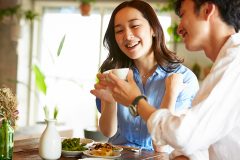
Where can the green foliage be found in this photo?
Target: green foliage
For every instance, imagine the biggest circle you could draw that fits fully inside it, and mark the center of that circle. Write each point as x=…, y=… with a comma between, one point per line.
x=9, y=11
x=30, y=15
x=61, y=45
x=73, y=144
x=41, y=84
x=172, y=31
x=196, y=70
x=46, y=112
x=16, y=10
x=55, y=113
x=40, y=79
x=87, y=1
x=168, y=7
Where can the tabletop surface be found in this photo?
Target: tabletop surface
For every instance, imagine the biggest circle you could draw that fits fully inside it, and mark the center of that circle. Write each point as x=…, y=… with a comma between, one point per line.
x=27, y=149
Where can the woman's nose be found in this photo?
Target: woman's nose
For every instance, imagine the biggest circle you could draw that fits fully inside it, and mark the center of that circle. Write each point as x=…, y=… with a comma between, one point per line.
x=129, y=35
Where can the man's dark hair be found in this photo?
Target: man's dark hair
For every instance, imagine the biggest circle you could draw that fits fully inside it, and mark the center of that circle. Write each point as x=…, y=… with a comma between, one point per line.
x=229, y=10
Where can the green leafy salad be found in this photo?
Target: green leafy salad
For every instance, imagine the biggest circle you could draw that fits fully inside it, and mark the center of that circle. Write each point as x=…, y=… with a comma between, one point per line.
x=73, y=144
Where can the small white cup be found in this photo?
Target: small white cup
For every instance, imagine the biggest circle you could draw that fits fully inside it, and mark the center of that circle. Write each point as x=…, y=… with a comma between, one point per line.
x=119, y=72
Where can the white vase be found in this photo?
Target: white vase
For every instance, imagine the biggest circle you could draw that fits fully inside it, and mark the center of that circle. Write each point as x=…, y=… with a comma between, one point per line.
x=50, y=145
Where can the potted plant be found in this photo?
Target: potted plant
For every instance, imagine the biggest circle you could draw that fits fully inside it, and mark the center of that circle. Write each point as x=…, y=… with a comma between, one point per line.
x=41, y=84
x=8, y=116
x=85, y=7
x=172, y=30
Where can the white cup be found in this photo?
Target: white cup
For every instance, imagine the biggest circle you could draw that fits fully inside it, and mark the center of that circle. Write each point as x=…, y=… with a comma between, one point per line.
x=119, y=72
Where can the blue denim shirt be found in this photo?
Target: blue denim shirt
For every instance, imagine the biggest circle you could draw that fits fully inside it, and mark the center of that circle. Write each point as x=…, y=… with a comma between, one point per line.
x=132, y=131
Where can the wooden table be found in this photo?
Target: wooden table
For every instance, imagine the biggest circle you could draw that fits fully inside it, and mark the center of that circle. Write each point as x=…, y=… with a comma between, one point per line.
x=27, y=149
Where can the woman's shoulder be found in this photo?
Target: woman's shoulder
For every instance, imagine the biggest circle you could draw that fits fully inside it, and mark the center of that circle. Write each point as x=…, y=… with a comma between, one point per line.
x=183, y=70
x=187, y=73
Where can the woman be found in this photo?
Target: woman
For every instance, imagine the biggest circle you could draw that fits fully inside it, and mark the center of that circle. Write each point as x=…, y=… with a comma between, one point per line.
x=135, y=39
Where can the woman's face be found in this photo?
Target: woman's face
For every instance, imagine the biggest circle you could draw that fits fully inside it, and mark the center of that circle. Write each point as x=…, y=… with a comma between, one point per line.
x=133, y=33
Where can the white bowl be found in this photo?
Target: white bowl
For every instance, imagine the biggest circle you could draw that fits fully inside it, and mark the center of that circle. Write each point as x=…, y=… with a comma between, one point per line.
x=119, y=72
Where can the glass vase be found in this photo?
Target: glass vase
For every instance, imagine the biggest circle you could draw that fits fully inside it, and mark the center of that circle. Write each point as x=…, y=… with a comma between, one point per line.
x=6, y=140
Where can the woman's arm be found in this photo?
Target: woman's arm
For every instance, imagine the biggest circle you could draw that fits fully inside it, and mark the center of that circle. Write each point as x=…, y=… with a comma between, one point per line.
x=108, y=118
x=174, y=85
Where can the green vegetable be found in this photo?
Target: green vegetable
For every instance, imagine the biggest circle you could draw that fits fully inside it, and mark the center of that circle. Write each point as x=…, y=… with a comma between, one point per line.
x=73, y=144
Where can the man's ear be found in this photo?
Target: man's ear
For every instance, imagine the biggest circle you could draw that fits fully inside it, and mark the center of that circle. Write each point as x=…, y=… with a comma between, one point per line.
x=208, y=10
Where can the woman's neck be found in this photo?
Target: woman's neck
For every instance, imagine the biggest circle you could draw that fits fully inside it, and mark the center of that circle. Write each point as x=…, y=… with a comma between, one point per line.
x=146, y=67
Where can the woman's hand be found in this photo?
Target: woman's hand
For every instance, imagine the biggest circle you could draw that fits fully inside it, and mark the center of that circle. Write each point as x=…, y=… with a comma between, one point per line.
x=101, y=90
x=124, y=92
x=174, y=84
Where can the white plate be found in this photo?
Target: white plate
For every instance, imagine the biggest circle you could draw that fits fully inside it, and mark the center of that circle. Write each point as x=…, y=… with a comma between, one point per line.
x=115, y=155
x=88, y=143
x=117, y=149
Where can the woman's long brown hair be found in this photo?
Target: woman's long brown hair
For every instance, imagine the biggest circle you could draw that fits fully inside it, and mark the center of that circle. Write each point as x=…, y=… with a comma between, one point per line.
x=165, y=58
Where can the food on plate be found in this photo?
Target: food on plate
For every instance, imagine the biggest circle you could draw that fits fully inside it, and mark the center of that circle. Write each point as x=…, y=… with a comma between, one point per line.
x=102, y=149
x=73, y=144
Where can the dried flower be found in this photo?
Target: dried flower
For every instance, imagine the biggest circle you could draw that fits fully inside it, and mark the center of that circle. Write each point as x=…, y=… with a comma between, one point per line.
x=8, y=105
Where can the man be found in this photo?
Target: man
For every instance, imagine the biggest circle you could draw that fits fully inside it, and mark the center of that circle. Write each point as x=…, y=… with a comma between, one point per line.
x=213, y=122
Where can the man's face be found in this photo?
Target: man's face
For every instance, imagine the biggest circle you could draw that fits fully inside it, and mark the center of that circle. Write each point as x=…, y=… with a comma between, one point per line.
x=193, y=27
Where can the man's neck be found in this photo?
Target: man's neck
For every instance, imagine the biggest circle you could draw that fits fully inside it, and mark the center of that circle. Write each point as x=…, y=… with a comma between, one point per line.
x=217, y=39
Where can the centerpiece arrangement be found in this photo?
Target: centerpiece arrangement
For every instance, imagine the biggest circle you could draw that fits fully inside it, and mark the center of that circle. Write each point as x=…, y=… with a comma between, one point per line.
x=50, y=141
x=8, y=117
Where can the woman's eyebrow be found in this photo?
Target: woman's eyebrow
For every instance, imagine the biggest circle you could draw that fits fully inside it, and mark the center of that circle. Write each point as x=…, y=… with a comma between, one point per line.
x=135, y=19
x=131, y=20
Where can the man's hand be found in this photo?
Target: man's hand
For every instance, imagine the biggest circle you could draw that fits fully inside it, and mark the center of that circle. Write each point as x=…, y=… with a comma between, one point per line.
x=181, y=158
x=123, y=92
x=158, y=148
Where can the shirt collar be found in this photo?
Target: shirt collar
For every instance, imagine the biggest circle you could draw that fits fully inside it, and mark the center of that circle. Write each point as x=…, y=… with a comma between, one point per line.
x=233, y=40
x=159, y=72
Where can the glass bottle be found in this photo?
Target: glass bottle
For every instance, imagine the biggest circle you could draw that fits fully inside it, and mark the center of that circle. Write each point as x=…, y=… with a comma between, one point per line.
x=6, y=140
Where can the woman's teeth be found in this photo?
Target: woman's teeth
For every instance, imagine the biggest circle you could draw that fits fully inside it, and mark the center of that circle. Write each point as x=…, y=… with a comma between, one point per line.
x=132, y=45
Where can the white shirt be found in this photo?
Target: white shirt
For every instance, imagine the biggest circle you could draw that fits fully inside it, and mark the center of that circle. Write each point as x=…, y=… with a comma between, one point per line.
x=213, y=122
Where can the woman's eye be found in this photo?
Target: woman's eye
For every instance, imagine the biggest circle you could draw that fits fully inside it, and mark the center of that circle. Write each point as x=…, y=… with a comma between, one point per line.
x=135, y=26
x=118, y=31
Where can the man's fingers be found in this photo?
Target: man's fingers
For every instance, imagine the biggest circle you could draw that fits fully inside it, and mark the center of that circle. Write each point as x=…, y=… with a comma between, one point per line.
x=113, y=78
x=130, y=78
